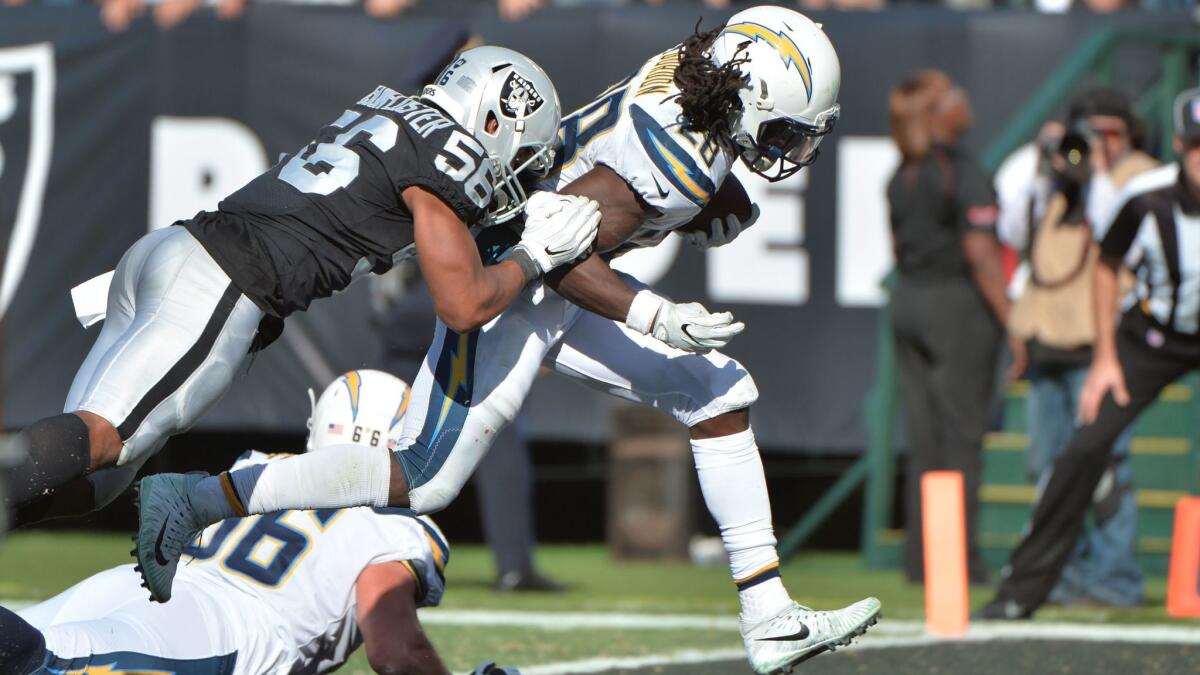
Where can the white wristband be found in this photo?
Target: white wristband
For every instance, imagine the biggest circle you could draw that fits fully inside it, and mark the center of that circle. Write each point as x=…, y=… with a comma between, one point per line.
x=643, y=311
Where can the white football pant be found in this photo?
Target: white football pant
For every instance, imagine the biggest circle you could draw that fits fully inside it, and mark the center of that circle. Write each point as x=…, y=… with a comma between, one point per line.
x=472, y=385
x=175, y=333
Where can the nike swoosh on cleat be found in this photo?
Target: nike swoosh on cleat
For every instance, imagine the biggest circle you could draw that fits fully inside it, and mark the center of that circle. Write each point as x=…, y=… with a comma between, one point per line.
x=798, y=635
x=162, y=560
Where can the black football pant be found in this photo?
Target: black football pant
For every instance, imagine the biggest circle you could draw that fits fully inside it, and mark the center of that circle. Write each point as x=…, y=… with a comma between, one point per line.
x=1151, y=359
x=947, y=343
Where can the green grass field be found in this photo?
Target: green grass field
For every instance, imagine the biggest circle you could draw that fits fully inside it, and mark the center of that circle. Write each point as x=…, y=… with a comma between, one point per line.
x=37, y=565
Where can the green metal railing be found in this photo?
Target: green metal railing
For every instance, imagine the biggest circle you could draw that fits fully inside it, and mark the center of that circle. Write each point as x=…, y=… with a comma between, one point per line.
x=1096, y=56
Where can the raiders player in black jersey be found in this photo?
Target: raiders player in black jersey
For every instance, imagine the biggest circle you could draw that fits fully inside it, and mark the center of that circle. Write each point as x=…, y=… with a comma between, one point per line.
x=187, y=303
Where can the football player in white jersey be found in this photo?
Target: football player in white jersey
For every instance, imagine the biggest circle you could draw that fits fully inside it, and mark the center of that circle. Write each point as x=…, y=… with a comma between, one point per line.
x=288, y=592
x=652, y=150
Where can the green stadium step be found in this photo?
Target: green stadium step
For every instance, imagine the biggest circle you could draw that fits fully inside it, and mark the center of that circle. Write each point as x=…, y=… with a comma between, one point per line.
x=1165, y=461
x=1171, y=415
x=1153, y=553
x=1164, y=470
x=1010, y=518
x=1152, y=470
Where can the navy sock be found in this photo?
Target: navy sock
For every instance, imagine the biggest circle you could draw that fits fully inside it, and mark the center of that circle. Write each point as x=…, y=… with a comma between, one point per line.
x=57, y=451
x=22, y=647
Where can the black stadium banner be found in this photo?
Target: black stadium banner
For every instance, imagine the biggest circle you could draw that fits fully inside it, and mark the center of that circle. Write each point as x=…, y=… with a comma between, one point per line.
x=105, y=135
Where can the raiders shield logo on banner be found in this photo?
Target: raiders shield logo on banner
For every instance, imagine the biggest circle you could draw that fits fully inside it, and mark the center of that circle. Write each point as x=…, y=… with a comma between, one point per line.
x=518, y=98
x=26, y=139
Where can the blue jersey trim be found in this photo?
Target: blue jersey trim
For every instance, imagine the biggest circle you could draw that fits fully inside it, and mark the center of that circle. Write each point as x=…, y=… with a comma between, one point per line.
x=120, y=663
x=671, y=159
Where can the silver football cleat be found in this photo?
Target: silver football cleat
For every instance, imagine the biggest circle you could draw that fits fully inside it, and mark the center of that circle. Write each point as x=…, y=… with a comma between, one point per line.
x=797, y=633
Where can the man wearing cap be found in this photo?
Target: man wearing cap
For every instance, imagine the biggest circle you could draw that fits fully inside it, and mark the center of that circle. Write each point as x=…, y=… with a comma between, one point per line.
x=1157, y=227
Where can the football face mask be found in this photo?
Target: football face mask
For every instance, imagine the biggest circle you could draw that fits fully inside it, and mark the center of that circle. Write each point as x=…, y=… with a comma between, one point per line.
x=511, y=107
x=785, y=145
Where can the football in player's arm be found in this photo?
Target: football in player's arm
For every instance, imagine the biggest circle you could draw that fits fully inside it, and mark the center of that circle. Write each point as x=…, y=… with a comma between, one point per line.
x=593, y=285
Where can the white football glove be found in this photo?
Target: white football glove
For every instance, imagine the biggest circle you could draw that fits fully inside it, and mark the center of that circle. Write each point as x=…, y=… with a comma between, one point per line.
x=722, y=231
x=558, y=229
x=688, y=326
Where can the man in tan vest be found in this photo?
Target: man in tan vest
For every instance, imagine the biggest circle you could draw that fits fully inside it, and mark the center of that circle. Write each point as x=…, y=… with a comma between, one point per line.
x=1095, y=156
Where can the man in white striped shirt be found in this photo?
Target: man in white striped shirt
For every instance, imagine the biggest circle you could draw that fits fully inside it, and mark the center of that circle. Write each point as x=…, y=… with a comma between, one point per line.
x=1157, y=229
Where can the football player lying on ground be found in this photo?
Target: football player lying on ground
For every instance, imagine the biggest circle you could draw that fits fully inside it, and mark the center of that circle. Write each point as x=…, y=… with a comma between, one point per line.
x=295, y=591
x=653, y=150
x=187, y=303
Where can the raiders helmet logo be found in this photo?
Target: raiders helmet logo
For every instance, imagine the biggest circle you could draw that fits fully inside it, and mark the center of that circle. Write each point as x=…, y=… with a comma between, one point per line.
x=518, y=97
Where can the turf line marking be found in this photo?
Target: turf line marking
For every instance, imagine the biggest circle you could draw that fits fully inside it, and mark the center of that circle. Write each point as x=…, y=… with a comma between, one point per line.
x=887, y=632
x=613, y=620
x=873, y=640
x=692, y=656
x=602, y=664
x=576, y=620
x=908, y=629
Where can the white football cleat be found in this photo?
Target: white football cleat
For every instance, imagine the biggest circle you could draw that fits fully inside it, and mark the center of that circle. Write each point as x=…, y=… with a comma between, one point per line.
x=166, y=524
x=797, y=633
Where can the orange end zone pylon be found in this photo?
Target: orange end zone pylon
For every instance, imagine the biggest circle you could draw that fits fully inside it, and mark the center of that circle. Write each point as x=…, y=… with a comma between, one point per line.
x=1183, y=581
x=945, y=533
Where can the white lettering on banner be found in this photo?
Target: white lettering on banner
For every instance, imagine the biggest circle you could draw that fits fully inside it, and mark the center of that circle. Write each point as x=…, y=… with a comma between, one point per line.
x=8, y=106
x=864, y=238
x=37, y=61
x=767, y=264
x=195, y=162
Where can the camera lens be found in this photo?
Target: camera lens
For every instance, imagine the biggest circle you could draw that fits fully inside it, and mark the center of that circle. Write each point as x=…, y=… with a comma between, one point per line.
x=1074, y=148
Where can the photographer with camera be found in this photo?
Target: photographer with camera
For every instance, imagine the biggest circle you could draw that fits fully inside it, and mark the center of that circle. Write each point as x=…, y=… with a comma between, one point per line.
x=1082, y=167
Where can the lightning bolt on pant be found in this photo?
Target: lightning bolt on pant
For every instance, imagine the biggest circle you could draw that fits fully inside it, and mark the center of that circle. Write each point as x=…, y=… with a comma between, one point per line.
x=471, y=385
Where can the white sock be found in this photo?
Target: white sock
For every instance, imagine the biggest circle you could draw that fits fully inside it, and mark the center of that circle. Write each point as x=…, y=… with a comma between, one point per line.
x=735, y=490
x=335, y=477
x=763, y=600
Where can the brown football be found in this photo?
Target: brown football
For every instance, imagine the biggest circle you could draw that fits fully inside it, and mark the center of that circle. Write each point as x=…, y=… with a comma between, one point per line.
x=730, y=198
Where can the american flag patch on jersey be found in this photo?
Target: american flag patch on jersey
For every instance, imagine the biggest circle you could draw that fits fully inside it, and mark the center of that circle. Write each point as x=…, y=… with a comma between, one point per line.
x=335, y=428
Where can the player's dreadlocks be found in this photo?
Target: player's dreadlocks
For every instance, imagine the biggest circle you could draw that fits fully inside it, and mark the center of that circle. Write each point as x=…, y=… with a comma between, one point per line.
x=708, y=93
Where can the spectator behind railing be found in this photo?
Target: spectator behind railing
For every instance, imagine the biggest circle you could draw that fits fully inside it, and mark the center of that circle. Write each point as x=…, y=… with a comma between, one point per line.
x=117, y=15
x=950, y=303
